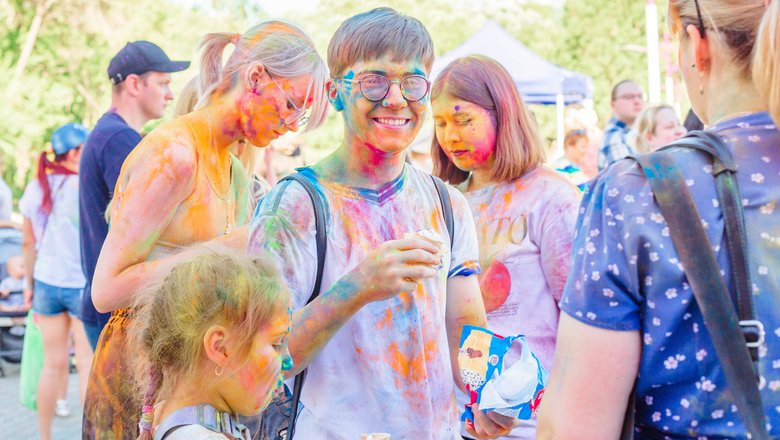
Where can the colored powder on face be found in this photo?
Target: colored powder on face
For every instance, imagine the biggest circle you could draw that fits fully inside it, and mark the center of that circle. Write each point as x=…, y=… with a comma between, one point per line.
x=457, y=108
x=287, y=363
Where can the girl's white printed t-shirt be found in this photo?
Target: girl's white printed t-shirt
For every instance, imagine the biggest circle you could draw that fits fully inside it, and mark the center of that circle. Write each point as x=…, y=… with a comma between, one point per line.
x=388, y=368
x=525, y=230
x=58, y=262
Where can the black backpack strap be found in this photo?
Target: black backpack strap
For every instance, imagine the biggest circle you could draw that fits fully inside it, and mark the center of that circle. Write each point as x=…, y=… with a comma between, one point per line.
x=322, y=246
x=724, y=169
x=712, y=295
x=446, y=205
x=319, y=224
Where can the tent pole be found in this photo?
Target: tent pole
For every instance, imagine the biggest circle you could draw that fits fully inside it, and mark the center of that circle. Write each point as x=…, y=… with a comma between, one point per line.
x=559, y=134
x=653, y=60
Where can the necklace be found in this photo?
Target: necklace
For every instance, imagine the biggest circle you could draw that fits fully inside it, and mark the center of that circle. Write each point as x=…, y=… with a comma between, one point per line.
x=224, y=197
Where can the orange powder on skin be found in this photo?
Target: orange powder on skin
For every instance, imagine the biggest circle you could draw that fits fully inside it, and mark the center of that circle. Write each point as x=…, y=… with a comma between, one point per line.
x=252, y=378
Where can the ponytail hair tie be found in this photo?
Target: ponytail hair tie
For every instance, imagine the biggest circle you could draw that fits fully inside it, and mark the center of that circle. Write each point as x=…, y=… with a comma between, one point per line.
x=234, y=38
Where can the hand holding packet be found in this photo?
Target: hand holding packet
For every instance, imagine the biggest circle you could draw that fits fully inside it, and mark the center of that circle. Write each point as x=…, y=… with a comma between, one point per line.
x=431, y=237
x=515, y=390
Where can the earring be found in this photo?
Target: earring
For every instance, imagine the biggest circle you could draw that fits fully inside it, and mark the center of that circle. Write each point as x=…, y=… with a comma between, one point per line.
x=218, y=370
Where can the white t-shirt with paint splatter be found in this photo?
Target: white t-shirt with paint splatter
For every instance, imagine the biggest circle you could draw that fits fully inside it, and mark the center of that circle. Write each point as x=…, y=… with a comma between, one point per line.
x=525, y=230
x=388, y=368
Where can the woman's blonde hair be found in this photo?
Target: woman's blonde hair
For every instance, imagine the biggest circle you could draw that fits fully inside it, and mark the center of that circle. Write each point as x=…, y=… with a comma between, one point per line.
x=218, y=287
x=282, y=48
x=750, y=28
x=484, y=82
x=188, y=97
x=645, y=124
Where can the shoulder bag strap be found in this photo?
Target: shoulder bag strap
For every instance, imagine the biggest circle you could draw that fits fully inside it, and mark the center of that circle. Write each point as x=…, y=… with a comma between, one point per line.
x=711, y=293
x=322, y=243
x=724, y=169
x=446, y=205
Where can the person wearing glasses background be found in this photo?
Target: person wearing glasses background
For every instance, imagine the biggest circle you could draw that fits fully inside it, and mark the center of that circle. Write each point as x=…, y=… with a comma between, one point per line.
x=181, y=186
x=630, y=326
x=627, y=101
x=381, y=340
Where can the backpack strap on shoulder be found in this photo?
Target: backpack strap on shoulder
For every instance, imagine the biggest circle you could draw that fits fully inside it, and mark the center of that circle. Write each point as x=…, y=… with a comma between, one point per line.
x=446, y=205
x=703, y=273
x=203, y=415
x=322, y=247
x=724, y=170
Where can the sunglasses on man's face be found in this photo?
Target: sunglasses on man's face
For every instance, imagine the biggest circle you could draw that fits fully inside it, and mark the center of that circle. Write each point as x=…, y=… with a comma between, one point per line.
x=375, y=87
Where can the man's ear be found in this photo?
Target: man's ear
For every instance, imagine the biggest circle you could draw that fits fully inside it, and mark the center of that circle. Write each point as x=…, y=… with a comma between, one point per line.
x=333, y=96
x=133, y=84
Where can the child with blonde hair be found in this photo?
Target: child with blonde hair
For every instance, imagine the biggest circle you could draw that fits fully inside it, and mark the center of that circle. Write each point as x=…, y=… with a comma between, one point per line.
x=213, y=339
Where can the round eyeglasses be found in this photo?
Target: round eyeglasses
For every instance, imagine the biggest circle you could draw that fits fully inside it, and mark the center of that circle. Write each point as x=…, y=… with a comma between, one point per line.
x=375, y=87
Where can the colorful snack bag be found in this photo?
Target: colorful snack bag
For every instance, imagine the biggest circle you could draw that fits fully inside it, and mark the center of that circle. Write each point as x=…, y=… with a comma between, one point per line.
x=514, y=390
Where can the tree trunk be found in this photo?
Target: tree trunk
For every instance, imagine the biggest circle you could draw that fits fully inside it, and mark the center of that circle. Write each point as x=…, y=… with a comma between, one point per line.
x=29, y=42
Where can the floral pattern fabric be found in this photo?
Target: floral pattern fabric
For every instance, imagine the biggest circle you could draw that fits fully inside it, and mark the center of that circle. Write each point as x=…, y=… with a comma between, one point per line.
x=626, y=275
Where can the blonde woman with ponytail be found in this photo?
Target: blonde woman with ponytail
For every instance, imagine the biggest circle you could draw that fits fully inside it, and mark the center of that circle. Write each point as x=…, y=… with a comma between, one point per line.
x=212, y=344
x=631, y=327
x=181, y=186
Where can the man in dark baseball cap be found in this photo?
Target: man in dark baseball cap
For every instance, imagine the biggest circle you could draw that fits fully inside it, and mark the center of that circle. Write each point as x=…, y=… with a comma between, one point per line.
x=139, y=57
x=141, y=75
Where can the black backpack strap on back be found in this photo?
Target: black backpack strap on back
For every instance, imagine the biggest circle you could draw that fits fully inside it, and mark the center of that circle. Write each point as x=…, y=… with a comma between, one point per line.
x=446, y=205
x=701, y=268
x=724, y=169
x=322, y=247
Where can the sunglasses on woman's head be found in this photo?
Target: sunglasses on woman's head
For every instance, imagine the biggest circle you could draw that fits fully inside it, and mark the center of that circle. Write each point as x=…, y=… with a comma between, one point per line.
x=698, y=15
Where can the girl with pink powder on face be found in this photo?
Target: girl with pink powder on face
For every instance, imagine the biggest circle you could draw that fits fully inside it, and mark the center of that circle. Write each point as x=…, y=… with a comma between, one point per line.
x=213, y=344
x=487, y=144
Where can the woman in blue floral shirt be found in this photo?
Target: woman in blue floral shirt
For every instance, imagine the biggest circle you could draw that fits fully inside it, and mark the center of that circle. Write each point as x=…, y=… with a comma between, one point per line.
x=629, y=313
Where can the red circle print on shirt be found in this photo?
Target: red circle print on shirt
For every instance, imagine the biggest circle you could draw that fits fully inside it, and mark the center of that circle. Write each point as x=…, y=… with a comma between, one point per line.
x=495, y=285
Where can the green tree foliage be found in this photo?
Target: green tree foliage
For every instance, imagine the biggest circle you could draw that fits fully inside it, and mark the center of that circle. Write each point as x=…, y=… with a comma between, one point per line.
x=62, y=77
x=604, y=39
x=54, y=53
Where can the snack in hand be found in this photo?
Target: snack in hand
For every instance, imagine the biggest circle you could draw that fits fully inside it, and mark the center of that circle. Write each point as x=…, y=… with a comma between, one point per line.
x=431, y=237
x=511, y=390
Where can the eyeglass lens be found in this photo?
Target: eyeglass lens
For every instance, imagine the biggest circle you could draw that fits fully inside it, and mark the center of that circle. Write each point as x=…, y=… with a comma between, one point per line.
x=376, y=87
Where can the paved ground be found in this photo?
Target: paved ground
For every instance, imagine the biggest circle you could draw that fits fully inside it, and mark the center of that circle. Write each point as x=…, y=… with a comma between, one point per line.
x=18, y=422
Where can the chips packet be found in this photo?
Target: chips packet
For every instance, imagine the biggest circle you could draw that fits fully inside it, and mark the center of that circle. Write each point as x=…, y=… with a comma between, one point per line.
x=512, y=390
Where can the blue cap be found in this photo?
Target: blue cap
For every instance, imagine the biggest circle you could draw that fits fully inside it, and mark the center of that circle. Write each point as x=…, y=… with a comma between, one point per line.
x=139, y=57
x=68, y=137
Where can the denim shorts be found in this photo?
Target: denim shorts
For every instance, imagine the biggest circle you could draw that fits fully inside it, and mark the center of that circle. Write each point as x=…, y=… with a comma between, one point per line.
x=52, y=300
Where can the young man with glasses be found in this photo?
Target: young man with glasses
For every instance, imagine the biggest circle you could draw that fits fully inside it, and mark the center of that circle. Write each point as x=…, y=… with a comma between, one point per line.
x=381, y=340
x=627, y=101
